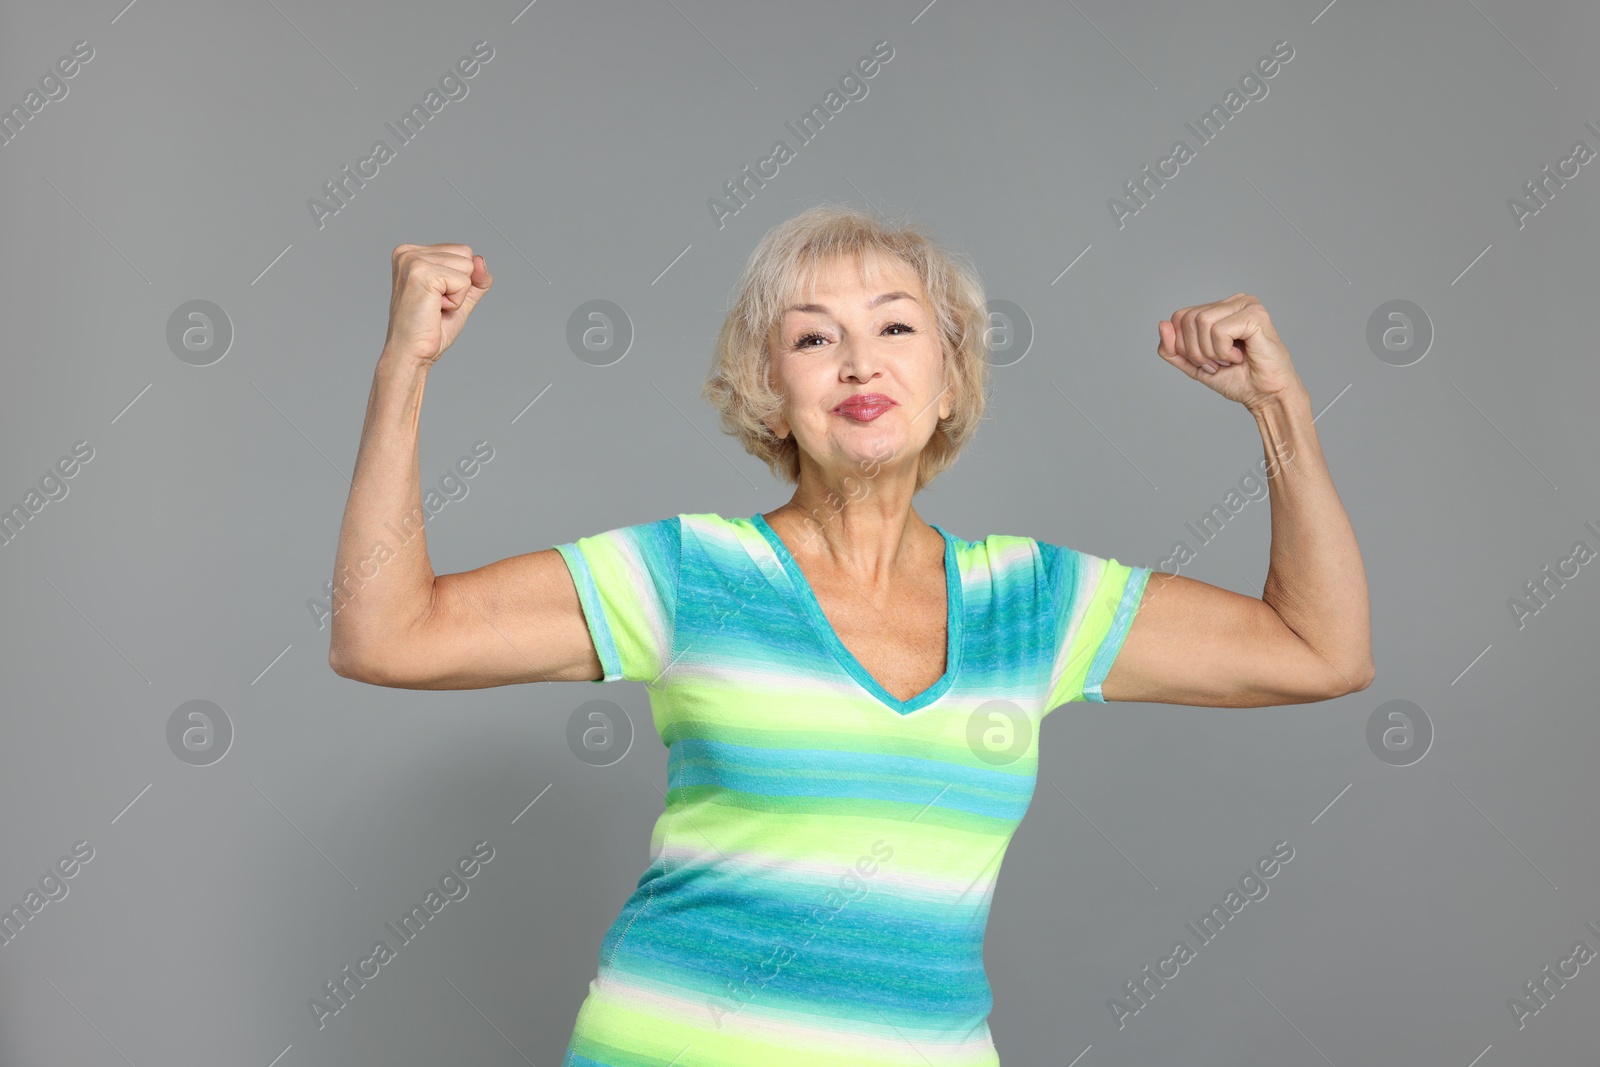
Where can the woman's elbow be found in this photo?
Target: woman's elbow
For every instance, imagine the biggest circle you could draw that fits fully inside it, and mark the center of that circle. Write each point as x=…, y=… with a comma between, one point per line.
x=1352, y=678
x=347, y=666
x=363, y=669
x=1365, y=675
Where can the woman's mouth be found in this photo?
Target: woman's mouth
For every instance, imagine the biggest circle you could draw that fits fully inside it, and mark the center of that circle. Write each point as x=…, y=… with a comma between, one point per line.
x=864, y=407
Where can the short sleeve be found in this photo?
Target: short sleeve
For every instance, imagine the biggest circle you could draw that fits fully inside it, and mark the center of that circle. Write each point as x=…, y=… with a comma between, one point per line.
x=1094, y=601
x=627, y=582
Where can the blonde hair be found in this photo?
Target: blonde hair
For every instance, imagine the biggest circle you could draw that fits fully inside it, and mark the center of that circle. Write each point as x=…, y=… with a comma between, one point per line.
x=787, y=260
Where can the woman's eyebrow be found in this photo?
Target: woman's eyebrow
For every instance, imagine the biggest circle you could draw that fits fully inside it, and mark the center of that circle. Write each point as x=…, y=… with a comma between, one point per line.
x=874, y=302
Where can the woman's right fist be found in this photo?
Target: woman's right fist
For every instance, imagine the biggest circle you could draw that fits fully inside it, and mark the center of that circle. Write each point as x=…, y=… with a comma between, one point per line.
x=435, y=289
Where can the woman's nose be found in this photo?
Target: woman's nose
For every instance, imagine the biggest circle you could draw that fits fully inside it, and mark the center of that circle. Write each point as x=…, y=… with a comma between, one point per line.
x=858, y=365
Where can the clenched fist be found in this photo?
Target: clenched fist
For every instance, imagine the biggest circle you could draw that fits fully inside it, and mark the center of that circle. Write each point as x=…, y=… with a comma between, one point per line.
x=435, y=289
x=1231, y=346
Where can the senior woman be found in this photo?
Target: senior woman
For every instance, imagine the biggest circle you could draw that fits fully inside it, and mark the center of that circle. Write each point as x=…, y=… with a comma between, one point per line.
x=850, y=697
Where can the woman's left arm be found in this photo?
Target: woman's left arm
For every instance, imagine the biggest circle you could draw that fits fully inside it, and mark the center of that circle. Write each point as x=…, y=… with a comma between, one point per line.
x=1309, y=635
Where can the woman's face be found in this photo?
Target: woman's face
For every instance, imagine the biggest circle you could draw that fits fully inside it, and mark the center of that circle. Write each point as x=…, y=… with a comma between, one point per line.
x=848, y=339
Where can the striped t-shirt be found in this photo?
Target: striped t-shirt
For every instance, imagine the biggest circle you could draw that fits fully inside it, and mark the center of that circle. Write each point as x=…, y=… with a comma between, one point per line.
x=820, y=878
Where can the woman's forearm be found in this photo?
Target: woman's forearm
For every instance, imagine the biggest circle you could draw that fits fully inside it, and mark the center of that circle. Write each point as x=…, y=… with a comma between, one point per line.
x=1315, y=580
x=383, y=579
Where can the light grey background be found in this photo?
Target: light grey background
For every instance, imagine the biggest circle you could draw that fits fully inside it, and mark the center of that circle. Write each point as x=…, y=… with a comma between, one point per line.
x=180, y=564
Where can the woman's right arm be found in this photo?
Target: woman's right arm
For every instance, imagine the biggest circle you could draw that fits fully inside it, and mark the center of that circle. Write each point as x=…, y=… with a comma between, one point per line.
x=395, y=622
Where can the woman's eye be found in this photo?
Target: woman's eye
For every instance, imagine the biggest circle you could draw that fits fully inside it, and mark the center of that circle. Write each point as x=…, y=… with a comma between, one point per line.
x=804, y=340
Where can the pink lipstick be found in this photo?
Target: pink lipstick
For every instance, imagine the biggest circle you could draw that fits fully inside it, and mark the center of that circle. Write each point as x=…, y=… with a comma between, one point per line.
x=864, y=407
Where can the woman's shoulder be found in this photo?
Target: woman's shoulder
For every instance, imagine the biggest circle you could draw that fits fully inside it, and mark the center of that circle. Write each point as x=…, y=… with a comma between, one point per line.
x=720, y=537
x=1003, y=555
x=712, y=524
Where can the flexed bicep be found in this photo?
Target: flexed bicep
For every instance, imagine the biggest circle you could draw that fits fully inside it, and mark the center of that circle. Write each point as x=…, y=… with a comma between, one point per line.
x=1199, y=644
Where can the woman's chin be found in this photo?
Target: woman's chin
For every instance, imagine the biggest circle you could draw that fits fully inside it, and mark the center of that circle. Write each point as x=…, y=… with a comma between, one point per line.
x=862, y=446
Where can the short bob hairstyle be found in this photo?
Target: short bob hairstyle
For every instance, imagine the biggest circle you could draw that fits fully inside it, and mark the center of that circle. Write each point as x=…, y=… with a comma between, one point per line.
x=787, y=261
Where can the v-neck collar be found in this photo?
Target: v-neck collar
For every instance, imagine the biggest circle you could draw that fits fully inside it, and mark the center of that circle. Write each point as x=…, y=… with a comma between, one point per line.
x=846, y=658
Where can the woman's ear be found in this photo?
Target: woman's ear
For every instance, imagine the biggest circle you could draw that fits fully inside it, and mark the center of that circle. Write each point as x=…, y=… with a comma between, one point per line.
x=778, y=426
x=947, y=404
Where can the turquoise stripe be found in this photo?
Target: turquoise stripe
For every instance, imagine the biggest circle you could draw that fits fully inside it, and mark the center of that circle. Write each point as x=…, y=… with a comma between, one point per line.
x=589, y=599
x=852, y=775
x=1126, y=608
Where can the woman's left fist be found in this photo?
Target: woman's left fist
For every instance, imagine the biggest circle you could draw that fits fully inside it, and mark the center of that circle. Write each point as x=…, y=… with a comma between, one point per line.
x=1231, y=346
